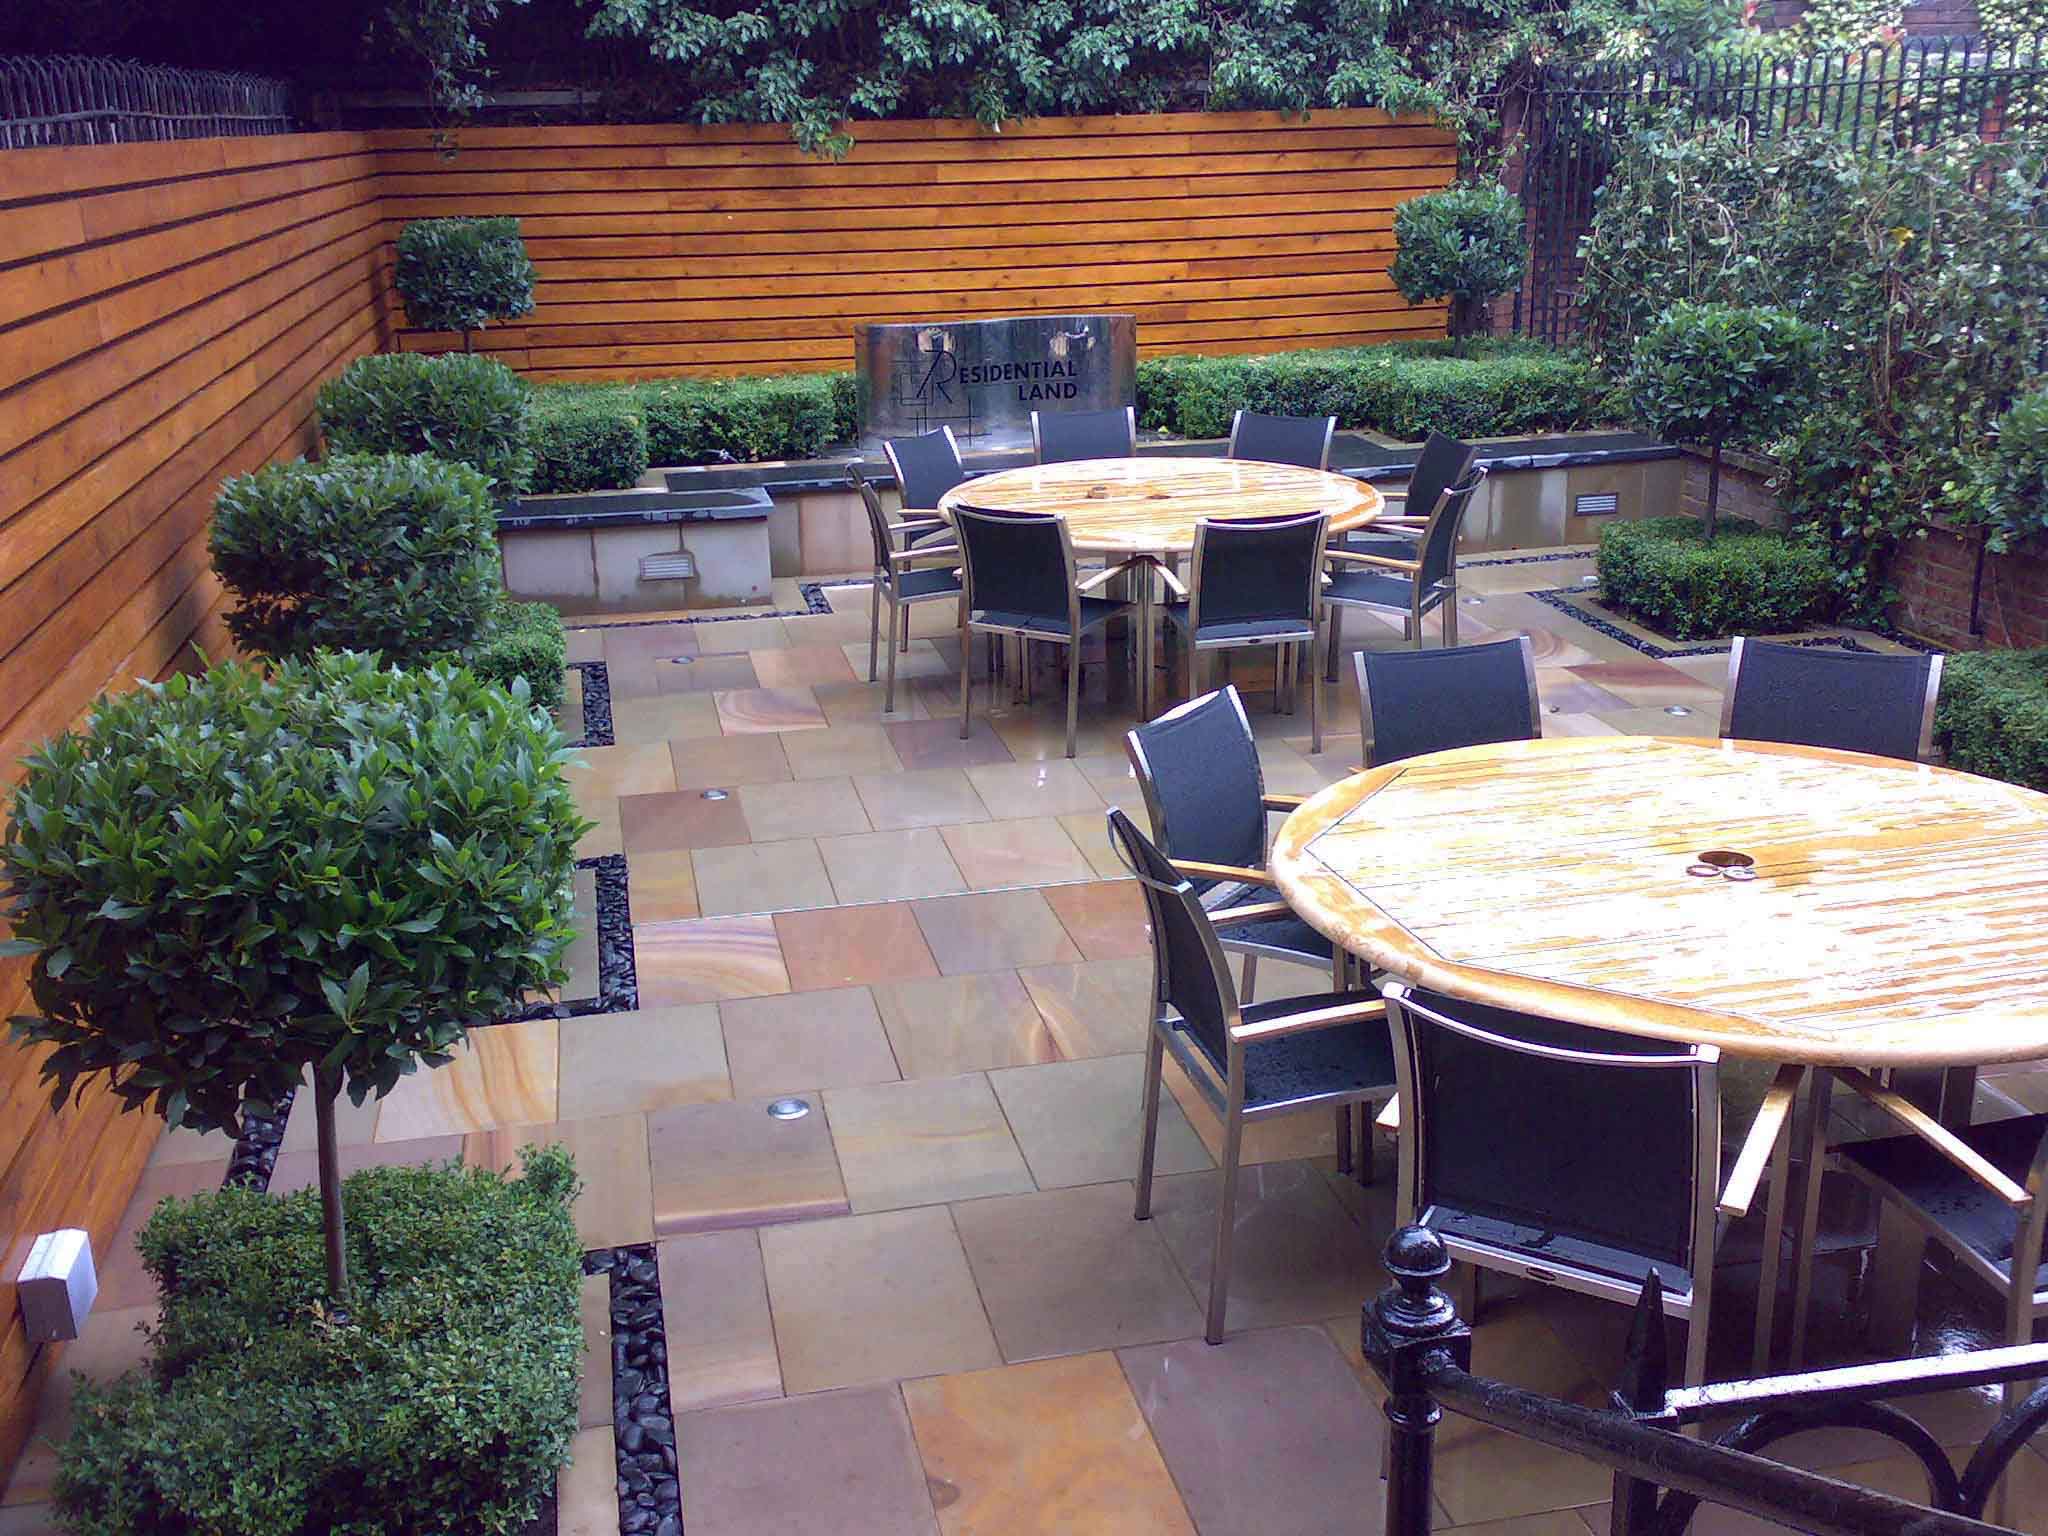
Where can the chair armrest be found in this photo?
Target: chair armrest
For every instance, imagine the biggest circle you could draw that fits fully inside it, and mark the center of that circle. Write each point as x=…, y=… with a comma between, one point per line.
x=1353, y=557
x=1308, y=1019
x=1285, y=802
x=1389, y=1117
x=1174, y=584
x=1196, y=869
x=1251, y=912
x=1104, y=575
x=1398, y=524
x=928, y=552
x=1936, y=1135
x=918, y=524
x=1765, y=1132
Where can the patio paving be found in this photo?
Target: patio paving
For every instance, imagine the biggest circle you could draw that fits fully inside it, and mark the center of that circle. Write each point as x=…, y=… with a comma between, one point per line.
x=923, y=1307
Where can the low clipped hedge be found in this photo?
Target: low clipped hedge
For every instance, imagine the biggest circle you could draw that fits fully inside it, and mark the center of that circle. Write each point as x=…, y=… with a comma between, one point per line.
x=523, y=640
x=443, y=1400
x=1749, y=580
x=1992, y=716
x=1404, y=390
x=459, y=406
x=588, y=439
x=745, y=420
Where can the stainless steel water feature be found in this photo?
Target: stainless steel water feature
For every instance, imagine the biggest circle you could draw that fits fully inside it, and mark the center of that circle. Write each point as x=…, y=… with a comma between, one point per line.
x=984, y=378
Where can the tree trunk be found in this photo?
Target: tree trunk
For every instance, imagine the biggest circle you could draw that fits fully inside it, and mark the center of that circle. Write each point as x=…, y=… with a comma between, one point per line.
x=465, y=343
x=1713, y=487
x=326, y=1089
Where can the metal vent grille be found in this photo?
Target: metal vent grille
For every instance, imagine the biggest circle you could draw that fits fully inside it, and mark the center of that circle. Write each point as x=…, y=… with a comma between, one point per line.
x=676, y=567
x=1599, y=504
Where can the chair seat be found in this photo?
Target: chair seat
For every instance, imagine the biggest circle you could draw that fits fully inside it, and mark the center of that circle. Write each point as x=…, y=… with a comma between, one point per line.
x=1095, y=612
x=1542, y=1247
x=1377, y=589
x=1345, y=1058
x=1266, y=631
x=933, y=581
x=1950, y=1198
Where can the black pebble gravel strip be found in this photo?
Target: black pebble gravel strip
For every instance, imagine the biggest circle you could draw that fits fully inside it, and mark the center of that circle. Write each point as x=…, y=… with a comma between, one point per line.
x=618, y=976
x=643, y=1427
x=255, y=1154
x=1562, y=602
x=597, y=704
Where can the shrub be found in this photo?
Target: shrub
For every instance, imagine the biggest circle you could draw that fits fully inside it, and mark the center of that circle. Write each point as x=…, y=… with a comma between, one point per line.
x=471, y=410
x=1464, y=244
x=392, y=553
x=742, y=420
x=1403, y=390
x=2016, y=477
x=1750, y=580
x=225, y=880
x=1721, y=373
x=523, y=640
x=444, y=1400
x=1992, y=716
x=587, y=440
x=461, y=274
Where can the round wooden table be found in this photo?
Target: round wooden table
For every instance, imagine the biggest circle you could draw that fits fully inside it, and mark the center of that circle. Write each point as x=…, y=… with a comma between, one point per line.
x=1150, y=506
x=1897, y=915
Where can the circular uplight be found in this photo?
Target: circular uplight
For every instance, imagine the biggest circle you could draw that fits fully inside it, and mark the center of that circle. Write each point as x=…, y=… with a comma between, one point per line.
x=789, y=1109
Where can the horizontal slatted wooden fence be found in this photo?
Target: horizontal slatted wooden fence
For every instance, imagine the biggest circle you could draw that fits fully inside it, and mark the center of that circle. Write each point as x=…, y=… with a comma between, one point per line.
x=166, y=312
x=678, y=249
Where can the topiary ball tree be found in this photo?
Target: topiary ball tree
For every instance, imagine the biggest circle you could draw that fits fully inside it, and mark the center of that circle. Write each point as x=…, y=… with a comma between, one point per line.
x=1464, y=244
x=466, y=409
x=1722, y=373
x=394, y=553
x=461, y=274
x=227, y=880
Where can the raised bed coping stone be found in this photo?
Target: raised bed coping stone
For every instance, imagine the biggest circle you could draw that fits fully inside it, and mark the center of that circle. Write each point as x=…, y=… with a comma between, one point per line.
x=638, y=505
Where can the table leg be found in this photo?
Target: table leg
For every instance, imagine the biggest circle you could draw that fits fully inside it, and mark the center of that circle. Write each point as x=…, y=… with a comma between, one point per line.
x=1773, y=1253
x=1818, y=1083
x=1143, y=575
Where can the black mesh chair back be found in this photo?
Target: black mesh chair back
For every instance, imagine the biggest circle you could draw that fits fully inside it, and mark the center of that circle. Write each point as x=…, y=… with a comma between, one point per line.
x=926, y=467
x=1193, y=978
x=1817, y=696
x=1017, y=563
x=1412, y=702
x=1437, y=553
x=1258, y=570
x=1198, y=768
x=1443, y=462
x=1298, y=440
x=1060, y=437
x=1529, y=1129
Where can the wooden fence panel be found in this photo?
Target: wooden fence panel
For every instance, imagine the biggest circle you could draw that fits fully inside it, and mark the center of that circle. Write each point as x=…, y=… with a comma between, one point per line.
x=166, y=312
x=726, y=250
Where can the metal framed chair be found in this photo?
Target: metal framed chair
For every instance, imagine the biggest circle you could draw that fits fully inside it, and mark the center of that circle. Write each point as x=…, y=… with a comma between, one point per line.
x=1412, y=702
x=1303, y=441
x=1441, y=464
x=900, y=581
x=926, y=467
x=1572, y=1156
x=1981, y=1191
x=1248, y=1061
x=1818, y=696
x=1061, y=437
x=1412, y=588
x=1020, y=580
x=1198, y=768
x=1256, y=581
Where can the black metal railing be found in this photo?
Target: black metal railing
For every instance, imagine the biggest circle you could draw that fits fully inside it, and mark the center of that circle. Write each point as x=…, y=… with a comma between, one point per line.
x=60, y=99
x=1422, y=1352
x=1885, y=100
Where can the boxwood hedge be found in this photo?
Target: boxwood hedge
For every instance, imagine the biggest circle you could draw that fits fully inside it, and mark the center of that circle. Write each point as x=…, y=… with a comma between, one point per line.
x=458, y=406
x=1747, y=581
x=443, y=1400
x=523, y=640
x=1992, y=716
x=588, y=439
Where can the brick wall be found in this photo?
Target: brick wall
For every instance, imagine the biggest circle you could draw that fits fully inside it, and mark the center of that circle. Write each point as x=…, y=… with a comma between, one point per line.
x=1745, y=489
x=1933, y=575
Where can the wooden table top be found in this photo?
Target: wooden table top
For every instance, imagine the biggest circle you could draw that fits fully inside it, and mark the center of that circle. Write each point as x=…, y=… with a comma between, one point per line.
x=1151, y=506
x=1899, y=915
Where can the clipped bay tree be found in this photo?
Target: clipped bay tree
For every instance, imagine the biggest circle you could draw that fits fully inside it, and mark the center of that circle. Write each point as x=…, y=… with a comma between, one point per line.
x=1463, y=244
x=1724, y=373
x=461, y=274
x=229, y=880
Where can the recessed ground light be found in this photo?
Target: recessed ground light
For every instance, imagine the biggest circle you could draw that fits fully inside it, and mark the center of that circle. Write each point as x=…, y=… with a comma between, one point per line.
x=1472, y=602
x=1557, y=709
x=1676, y=709
x=1589, y=581
x=714, y=794
x=682, y=661
x=789, y=1109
